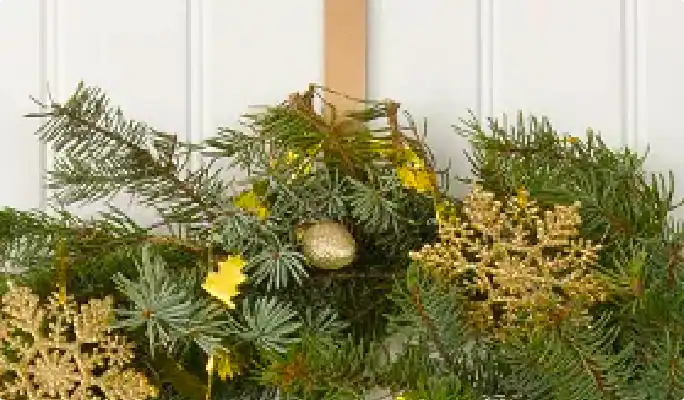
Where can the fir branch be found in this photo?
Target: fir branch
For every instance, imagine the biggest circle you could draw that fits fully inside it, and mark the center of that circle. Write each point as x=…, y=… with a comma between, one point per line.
x=571, y=362
x=93, y=248
x=166, y=309
x=663, y=373
x=321, y=194
x=277, y=266
x=674, y=264
x=338, y=367
x=375, y=208
x=620, y=200
x=269, y=325
x=100, y=154
x=322, y=320
x=334, y=275
x=434, y=333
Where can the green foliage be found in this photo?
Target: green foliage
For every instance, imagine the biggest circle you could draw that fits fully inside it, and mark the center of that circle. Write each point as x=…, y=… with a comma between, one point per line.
x=267, y=323
x=167, y=309
x=100, y=154
x=663, y=375
x=631, y=348
x=382, y=323
x=416, y=360
x=29, y=241
x=301, y=166
x=621, y=202
x=571, y=362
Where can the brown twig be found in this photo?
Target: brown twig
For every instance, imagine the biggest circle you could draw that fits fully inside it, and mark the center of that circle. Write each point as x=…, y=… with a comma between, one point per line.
x=172, y=240
x=351, y=275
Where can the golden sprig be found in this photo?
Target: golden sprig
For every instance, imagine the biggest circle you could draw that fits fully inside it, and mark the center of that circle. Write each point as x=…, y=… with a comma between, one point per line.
x=522, y=267
x=64, y=351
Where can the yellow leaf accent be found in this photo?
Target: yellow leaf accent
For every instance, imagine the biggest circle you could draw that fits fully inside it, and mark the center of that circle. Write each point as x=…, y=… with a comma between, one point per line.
x=412, y=158
x=226, y=367
x=292, y=156
x=414, y=174
x=445, y=211
x=420, y=179
x=224, y=284
x=222, y=364
x=249, y=201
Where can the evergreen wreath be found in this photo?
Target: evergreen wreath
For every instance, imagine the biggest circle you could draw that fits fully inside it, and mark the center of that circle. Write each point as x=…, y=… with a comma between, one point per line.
x=341, y=266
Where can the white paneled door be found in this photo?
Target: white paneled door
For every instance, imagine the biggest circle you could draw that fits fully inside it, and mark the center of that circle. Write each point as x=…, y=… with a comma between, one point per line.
x=189, y=66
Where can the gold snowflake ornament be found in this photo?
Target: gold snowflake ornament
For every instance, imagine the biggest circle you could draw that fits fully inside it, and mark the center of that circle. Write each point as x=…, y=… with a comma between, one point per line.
x=55, y=351
x=522, y=266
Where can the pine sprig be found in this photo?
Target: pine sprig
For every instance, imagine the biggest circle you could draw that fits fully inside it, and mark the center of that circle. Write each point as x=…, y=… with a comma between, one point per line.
x=620, y=200
x=268, y=324
x=432, y=316
x=167, y=310
x=277, y=267
x=572, y=363
x=376, y=208
x=662, y=374
x=93, y=248
x=100, y=153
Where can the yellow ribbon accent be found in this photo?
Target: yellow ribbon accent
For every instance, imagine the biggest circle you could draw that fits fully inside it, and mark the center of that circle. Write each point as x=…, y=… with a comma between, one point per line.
x=250, y=201
x=61, y=269
x=220, y=361
x=522, y=197
x=210, y=246
x=210, y=375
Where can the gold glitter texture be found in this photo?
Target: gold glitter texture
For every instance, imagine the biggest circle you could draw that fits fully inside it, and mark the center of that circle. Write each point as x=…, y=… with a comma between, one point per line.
x=55, y=351
x=522, y=267
x=328, y=245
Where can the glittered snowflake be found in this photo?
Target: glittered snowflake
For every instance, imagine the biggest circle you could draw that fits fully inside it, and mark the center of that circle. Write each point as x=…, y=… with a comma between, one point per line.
x=524, y=266
x=63, y=350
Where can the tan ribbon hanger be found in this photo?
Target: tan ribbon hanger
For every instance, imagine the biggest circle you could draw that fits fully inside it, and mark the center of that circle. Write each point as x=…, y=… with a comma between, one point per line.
x=345, y=39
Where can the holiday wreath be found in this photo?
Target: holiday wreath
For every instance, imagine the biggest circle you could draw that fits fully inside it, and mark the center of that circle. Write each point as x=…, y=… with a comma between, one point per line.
x=340, y=265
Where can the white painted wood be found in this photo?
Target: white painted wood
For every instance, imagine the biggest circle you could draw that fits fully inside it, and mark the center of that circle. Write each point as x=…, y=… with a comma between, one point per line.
x=188, y=66
x=426, y=57
x=20, y=70
x=257, y=52
x=560, y=58
x=663, y=86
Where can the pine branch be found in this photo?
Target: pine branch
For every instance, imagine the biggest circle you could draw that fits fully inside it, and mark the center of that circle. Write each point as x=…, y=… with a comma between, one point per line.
x=432, y=329
x=270, y=325
x=28, y=238
x=101, y=154
x=663, y=373
x=573, y=363
x=166, y=309
x=620, y=201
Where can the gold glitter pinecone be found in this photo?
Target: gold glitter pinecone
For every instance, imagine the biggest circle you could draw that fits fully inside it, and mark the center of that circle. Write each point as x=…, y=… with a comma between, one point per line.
x=327, y=244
